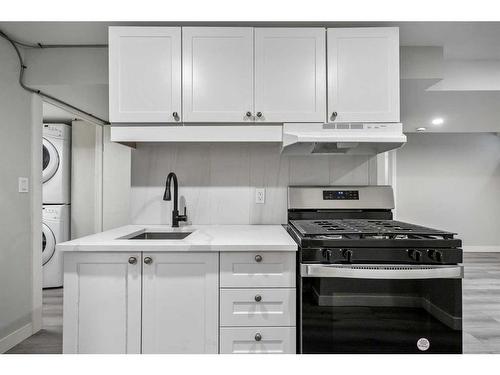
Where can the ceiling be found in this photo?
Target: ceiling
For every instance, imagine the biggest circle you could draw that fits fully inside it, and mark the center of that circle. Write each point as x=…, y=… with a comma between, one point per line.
x=461, y=40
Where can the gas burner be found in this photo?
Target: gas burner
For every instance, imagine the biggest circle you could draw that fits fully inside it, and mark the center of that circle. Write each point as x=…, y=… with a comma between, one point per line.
x=363, y=228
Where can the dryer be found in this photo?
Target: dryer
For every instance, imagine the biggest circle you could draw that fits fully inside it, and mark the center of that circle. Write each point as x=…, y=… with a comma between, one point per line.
x=56, y=163
x=55, y=229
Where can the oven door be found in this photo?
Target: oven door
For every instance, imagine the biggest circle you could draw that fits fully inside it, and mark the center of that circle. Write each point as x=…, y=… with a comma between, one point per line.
x=380, y=308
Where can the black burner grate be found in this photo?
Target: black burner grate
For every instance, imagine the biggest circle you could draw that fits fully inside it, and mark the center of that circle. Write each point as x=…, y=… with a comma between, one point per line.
x=360, y=228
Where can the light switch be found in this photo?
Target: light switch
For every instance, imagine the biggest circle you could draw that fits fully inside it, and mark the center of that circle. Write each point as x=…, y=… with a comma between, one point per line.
x=260, y=196
x=23, y=184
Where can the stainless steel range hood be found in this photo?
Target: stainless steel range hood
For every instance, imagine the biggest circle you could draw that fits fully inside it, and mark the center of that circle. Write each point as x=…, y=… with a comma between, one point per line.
x=341, y=138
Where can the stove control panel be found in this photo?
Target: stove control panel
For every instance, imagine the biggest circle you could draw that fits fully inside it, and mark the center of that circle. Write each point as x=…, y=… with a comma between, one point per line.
x=331, y=195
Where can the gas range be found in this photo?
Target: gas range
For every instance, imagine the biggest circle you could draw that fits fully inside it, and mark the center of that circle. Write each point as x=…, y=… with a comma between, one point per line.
x=368, y=283
x=355, y=225
x=374, y=240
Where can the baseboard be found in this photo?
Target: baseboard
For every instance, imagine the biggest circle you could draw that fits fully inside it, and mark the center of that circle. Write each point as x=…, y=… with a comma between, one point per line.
x=15, y=337
x=481, y=249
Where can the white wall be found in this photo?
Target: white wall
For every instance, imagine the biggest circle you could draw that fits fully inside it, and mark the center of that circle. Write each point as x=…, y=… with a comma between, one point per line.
x=86, y=178
x=217, y=181
x=100, y=181
x=469, y=75
x=76, y=75
x=115, y=183
x=18, y=111
x=452, y=182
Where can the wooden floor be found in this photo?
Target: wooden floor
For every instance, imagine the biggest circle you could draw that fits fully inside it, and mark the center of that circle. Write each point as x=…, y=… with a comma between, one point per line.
x=49, y=339
x=481, y=301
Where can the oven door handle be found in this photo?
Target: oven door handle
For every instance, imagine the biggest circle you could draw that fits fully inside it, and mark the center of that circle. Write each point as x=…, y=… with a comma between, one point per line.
x=382, y=271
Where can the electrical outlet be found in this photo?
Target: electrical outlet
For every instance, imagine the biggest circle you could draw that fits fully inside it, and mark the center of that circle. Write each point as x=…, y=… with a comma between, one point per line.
x=260, y=196
x=23, y=184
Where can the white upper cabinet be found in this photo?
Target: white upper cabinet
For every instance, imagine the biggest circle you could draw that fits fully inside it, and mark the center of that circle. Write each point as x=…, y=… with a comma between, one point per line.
x=180, y=303
x=217, y=74
x=253, y=75
x=363, y=74
x=145, y=74
x=290, y=75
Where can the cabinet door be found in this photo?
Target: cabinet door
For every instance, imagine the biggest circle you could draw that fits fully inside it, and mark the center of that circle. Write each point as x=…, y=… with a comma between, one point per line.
x=144, y=74
x=102, y=303
x=180, y=303
x=363, y=75
x=217, y=74
x=290, y=74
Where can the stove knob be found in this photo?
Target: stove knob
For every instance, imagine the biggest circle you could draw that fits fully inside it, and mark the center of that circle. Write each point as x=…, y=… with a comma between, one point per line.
x=415, y=255
x=435, y=255
x=347, y=254
x=327, y=254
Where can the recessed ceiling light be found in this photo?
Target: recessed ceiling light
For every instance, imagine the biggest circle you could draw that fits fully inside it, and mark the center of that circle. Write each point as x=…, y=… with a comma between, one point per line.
x=437, y=121
x=421, y=129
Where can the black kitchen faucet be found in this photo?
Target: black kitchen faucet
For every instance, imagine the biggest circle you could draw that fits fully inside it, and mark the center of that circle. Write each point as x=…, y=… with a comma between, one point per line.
x=167, y=196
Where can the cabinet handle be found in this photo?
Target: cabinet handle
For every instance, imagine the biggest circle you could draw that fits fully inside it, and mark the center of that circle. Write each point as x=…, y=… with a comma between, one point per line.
x=176, y=116
x=258, y=298
x=248, y=114
x=132, y=260
x=258, y=337
x=334, y=116
x=259, y=114
x=148, y=260
x=258, y=258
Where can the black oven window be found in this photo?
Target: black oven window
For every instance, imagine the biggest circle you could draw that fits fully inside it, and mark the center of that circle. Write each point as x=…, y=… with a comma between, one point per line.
x=341, y=315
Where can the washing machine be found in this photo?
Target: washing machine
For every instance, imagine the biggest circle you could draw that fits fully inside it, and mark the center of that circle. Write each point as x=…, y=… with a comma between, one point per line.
x=55, y=229
x=56, y=163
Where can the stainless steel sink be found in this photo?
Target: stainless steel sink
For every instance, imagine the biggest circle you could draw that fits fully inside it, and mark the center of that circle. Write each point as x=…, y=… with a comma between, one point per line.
x=161, y=236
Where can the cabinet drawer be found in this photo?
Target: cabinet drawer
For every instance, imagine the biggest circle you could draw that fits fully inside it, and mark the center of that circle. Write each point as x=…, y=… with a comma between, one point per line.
x=273, y=340
x=257, y=269
x=257, y=307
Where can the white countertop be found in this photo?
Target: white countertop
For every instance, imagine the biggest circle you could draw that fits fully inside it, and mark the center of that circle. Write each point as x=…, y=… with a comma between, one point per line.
x=203, y=238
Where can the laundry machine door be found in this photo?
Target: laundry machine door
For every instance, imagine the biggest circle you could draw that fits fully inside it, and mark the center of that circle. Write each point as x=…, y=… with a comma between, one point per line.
x=50, y=160
x=48, y=244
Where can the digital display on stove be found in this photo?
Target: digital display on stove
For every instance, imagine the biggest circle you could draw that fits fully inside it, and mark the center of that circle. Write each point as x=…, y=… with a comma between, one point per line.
x=333, y=195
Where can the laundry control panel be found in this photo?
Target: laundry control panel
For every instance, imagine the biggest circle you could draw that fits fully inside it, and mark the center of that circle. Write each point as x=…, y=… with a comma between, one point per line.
x=56, y=131
x=51, y=212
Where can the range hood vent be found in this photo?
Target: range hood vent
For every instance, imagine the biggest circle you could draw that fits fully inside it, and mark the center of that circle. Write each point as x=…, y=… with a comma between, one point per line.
x=341, y=138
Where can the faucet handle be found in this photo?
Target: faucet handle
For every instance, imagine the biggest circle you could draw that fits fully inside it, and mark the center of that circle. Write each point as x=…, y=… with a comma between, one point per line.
x=184, y=216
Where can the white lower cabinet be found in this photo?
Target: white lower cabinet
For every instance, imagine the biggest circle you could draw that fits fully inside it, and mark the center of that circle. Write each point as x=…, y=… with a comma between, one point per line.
x=257, y=302
x=180, y=303
x=257, y=340
x=168, y=302
x=102, y=303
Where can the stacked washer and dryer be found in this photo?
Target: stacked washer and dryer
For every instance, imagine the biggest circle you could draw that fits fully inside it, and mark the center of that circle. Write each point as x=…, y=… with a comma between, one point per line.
x=56, y=200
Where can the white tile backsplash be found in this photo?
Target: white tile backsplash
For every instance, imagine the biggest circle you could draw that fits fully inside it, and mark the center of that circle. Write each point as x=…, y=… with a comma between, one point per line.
x=350, y=170
x=217, y=181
